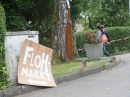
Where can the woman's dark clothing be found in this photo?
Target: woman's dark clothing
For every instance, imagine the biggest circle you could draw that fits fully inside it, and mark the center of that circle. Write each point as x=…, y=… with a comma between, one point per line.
x=105, y=44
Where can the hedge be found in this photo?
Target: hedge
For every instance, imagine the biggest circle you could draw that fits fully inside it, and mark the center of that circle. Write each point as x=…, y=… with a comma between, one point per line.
x=3, y=71
x=115, y=33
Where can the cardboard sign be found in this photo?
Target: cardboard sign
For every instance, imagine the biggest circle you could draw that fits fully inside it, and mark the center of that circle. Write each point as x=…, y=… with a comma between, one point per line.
x=35, y=65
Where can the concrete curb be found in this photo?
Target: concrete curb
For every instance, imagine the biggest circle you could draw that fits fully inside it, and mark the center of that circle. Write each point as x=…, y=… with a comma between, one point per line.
x=21, y=89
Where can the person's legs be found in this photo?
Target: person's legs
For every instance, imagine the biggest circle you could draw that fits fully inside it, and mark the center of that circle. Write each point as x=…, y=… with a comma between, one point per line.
x=104, y=50
x=84, y=62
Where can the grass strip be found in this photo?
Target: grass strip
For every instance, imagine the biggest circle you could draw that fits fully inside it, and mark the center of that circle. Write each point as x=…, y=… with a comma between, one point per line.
x=76, y=65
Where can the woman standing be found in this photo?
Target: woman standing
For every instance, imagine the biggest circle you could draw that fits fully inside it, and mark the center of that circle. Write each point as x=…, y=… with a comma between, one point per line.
x=107, y=43
x=99, y=33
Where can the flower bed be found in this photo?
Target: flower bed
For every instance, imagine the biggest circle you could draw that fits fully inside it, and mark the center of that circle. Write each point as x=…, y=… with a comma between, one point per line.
x=92, y=38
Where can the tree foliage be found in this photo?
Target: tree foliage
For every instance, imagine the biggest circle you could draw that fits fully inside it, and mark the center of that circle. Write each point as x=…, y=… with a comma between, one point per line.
x=38, y=14
x=29, y=15
x=107, y=12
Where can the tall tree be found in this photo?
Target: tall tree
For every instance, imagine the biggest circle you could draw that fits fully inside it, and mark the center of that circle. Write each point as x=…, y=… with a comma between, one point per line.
x=60, y=22
x=59, y=28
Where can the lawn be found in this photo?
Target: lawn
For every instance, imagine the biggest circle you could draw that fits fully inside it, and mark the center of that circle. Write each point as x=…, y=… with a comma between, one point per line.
x=76, y=65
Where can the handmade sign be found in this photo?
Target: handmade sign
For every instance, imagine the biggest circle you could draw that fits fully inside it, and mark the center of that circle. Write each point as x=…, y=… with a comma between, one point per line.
x=35, y=65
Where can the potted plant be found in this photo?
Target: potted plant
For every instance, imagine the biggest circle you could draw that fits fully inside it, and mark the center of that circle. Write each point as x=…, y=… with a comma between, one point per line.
x=92, y=47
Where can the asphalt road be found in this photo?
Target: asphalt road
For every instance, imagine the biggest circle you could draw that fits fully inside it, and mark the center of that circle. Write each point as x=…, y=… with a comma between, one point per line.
x=111, y=83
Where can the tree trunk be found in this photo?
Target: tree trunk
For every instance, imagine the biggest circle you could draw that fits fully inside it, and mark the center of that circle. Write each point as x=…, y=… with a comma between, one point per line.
x=59, y=28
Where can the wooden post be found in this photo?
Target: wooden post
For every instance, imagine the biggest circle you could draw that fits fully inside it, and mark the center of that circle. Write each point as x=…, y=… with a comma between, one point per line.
x=69, y=42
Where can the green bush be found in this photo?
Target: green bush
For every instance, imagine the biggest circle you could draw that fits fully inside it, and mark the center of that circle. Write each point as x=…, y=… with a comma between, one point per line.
x=3, y=71
x=115, y=33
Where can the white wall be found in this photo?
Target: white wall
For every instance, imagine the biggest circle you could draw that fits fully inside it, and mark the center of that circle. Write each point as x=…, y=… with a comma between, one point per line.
x=13, y=44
